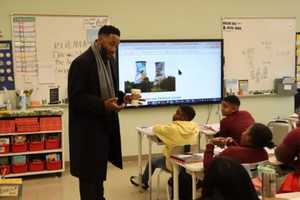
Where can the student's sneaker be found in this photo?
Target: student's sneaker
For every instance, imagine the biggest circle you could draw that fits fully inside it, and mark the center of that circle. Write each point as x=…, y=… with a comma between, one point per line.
x=134, y=181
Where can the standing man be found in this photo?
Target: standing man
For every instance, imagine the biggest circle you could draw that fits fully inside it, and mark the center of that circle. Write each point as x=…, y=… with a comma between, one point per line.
x=94, y=103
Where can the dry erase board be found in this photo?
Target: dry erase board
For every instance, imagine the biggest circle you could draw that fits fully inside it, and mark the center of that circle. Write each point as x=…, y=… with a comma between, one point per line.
x=44, y=47
x=259, y=50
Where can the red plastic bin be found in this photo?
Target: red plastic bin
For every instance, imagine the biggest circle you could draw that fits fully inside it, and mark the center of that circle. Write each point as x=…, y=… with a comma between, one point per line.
x=19, y=147
x=53, y=165
x=19, y=168
x=7, y=126
x=5, y=169
x=52, y=144
x=27, y=124
x=27, y=121
x=36, y=146
x=4, y=148
x=27, y=128
x=50, y=123
x=36, y=166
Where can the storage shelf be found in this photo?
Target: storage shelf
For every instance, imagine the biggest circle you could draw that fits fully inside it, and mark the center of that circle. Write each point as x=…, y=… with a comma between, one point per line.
x=30, y=133
x=37, y=112
x=31, y=152
x=34, y=173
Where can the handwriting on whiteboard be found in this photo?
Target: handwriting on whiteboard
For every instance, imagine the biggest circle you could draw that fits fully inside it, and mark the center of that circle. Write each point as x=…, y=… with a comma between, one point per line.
x=65, y=52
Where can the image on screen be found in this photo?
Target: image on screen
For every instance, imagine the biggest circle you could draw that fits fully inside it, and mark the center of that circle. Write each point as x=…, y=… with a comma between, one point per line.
x=172, y=72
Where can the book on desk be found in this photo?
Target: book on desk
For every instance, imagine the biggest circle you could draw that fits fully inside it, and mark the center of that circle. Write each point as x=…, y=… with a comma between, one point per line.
x=188, y=158
x=210, y=129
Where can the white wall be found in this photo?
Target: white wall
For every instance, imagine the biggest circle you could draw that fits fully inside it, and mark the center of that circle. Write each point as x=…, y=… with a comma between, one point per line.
x=172, y=19
x=262, y=108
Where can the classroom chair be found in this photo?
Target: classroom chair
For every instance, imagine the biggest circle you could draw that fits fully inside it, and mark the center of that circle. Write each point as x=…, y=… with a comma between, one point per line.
x=279, y=130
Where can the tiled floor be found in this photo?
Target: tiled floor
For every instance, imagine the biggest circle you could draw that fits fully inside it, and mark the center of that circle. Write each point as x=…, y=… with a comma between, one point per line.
x=117, y=186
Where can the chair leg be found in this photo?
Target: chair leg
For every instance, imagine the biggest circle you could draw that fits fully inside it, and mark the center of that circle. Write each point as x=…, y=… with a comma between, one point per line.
x=158, y=184
x=168, y=192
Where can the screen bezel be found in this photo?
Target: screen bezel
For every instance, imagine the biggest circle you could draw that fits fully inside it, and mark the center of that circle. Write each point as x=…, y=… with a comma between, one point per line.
x=179, y=41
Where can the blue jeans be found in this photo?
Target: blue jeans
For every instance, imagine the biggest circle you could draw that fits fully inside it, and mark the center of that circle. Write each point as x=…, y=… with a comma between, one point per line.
x=157, y=162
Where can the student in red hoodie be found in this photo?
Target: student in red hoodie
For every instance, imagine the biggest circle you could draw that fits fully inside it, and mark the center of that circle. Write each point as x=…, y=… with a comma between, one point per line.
x=250, y=150
x=288, y=152
x=235, y=121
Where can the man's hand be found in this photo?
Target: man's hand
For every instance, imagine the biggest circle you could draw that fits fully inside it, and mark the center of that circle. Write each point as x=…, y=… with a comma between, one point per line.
x=219, y=141
x=112, y=105
x=129, y=98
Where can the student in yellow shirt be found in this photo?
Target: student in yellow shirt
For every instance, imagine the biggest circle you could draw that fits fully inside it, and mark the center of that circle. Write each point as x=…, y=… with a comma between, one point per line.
x=182, y=131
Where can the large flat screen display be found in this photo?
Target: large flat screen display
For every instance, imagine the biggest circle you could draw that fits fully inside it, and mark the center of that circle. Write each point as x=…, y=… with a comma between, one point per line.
x=172, y=71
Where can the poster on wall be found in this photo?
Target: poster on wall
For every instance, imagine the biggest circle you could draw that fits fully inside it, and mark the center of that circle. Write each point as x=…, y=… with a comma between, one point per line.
x=6, y=66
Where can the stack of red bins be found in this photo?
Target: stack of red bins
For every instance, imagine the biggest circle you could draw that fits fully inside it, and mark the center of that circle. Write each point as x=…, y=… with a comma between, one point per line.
x=53, y=165
x=7, y=126
x=36, y=146
x=19, y=147
x=27, y=124
x=52, y=143
x=38, y=165
x=19, y=168
x=50, y=123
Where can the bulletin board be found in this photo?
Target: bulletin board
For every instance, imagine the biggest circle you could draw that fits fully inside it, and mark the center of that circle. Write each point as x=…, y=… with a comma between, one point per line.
x=44, y=47
x=6, y=66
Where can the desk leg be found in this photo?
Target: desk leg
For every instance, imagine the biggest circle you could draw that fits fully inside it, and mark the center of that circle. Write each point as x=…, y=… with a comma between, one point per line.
x=150, y=169
x=175, y=181
x=140, y=170
x=194, y=186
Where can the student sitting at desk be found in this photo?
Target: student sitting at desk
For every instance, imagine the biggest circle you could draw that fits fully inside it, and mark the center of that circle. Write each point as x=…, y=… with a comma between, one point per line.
x=226, y=179
x=182, y=131
x=288, y=152
x=251, y=148
x=235, y=121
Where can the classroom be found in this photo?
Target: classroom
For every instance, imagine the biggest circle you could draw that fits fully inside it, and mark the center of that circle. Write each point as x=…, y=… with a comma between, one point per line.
x=207, y=56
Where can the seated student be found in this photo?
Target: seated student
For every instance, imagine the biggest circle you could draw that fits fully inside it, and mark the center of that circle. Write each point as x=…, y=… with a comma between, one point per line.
x=182, y=131
x=235, y=121
x=250, y=150
x=288, y=152
x=226, y=179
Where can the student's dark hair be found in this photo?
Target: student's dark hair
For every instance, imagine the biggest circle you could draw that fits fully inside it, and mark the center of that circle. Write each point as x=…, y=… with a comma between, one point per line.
x=226, y=179
x=233, y=100
x=261, y=136
x=188, y=111
x=109, y=29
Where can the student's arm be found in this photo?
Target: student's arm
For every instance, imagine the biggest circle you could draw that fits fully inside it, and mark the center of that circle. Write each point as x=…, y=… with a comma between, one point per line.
x=208, y=155
x=222, y=131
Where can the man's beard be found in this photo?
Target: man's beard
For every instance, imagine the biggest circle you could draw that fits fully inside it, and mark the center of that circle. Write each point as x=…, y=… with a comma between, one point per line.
x=104, y=54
